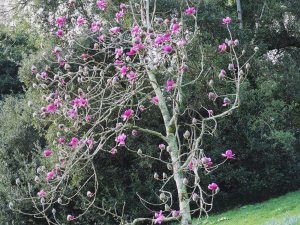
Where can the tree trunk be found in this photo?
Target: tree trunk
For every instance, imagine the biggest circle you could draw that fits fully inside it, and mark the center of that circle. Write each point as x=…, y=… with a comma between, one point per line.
x=239, y=11
x=183, y=198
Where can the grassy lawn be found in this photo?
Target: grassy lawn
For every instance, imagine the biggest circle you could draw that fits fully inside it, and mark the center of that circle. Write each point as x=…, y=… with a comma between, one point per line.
x=284, y=210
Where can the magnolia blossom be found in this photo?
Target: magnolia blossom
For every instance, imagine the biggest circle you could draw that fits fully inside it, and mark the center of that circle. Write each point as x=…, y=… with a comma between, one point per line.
x=127, y=114
x=89, y=194
x=162, y=147
x=175, y=28
x=50, y=175
x=42, y=193
x=95, y=26
x=51, y=108
x=115, y=30
x=190, y=11
x=70, y=218
x=132, y=51
x=80, y=102
x=158, y=40
x=228, y=154
x=132, y=77
x=73, y=143
x=88, y=118
x=159, y=217
x=119, y=15
x=155, y=100
x=222, y=47
x=213, y=186
x=210, y=112
x=170, y=85
x=136, y=30
x=60, y=21
x=47, y=152
x=80, y=21
x=122, y=6
x=59, y=33
x=207, y=162
x=113, y=151
x=222, y=74
x=72, y=113
x=121, y=139
x=226, y=101
x=124, y=70
x=227, y=20
x=118, y=52
x=101, y=4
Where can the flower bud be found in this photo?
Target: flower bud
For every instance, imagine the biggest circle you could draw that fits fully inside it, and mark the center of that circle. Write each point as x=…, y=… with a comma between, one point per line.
x=162, y=197
x=169, y=166
x=156, y=176
x=37, y=179
x=139, y=152
x=59, y=201
x=53, y=211
x=247, y=66
x=211, y=83
x=194, y=121
x=256, y=49
x=185, y=181
x=167, y=208
x=212, y=96
x=186, y=134
x=195, y=197
x=89, y=194
x=231, y=67
x=18, y=181
x=165, y=176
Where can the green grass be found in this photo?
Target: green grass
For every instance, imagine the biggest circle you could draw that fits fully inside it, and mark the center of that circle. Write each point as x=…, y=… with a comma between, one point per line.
x=284, y=210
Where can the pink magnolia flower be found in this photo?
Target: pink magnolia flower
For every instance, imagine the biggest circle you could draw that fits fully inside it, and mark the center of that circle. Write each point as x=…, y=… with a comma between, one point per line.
x=162, y=147
x=158, y=40
x=142, y=108
x=118, y=62
x=101, y=4
x=226, y=101
x=159, y=217
x=222, y=74
x=51, y=108
x=181, y=43
x=222, y=47
x=210, y=112
x=61, y=140
x=132, y=51
x=113, y=151
x=175, y=27
x=60, y=21
x=50, y=175
x=88, y=118
x=119, y=15
x=80, y=102
x=127, y=114
x=207, y=162
x=228, y=154
x=80, y=21
x=44, y=74
x=85, y=56
x=212, y=96
x=190, y=11
x=167, y=36
x=115, y=30
x=191, y=165
x=175, y=213
x=124, y=70
x=122, y=6
x=95, y=26
x=121, y=139
x=118, y=52
x=59, y=33
x=132, y=77
x=70, y=218
x=47, y=152
x=167, y=49
x=170, y=85
x=101, y=38
x=42, y=193
x=155, y=100
x=227, y=20
x=74, y=142
x=72, y=113
x=213, y=186
x=89, y=194
x=136, y=30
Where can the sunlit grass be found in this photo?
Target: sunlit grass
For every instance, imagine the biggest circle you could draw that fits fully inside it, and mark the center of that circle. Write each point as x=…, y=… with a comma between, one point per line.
x=284, y=210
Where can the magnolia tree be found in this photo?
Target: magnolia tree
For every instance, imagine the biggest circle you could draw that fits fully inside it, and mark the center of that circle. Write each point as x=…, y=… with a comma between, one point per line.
x=101, y=80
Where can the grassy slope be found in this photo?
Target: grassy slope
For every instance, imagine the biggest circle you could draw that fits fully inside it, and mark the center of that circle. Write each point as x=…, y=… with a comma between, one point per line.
x=284, y=210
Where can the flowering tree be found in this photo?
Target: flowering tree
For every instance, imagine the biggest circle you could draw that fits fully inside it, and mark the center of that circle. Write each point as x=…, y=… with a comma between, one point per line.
x=98, y=84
